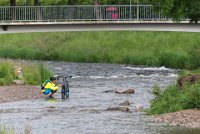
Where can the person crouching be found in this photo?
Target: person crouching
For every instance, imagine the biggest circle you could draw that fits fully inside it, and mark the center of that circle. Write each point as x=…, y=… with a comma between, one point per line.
x=50, y=87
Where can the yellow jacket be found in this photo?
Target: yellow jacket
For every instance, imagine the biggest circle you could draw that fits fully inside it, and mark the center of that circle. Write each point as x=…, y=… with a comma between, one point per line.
x=50, y=85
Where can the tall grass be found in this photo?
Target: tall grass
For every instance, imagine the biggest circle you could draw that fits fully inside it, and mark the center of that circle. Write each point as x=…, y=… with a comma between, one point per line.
x=174, y=98
x=35, y=74
x=32, y=73
x=6, y=73
x=170, y=49
x=4, y=130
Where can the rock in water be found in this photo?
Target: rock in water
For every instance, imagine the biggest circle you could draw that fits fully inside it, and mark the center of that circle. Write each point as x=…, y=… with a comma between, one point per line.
x=125, y=91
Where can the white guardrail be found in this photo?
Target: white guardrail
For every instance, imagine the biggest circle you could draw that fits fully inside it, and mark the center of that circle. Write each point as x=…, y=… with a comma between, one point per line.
x=10, y=14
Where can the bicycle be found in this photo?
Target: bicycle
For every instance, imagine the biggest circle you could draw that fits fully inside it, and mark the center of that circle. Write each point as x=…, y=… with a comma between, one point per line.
x=65, y=86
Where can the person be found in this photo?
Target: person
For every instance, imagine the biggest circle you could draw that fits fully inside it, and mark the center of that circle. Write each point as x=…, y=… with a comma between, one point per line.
x=50, y=87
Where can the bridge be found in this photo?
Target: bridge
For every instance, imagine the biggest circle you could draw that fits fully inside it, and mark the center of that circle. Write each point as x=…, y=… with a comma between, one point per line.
x=19, y=19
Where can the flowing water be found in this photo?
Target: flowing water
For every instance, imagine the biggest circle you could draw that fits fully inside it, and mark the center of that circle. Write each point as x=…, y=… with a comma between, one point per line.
x=85, y=111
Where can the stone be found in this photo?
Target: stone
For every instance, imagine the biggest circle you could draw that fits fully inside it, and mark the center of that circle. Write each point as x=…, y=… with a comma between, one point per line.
x=123, y=109
x=138, y=108
x=125, y=91
x=125, y=103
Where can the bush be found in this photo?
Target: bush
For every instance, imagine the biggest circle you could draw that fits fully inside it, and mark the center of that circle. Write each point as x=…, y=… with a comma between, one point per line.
x=173, y=99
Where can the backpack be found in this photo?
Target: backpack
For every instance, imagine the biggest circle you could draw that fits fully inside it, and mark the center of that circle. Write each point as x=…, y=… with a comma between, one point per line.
x=44, y=84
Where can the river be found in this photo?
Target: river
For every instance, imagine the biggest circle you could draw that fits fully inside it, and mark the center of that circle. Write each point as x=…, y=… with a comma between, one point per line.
x=85, y=111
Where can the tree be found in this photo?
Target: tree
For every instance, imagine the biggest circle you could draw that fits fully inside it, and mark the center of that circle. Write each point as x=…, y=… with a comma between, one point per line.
x=12, y=2
x=13, y=10
x=180, y=9
x=70, y=2
x=36, y=2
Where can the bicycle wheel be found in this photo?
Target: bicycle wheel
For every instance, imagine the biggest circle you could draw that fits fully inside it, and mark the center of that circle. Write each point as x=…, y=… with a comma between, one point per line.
x=67, y=91
x=63, y=91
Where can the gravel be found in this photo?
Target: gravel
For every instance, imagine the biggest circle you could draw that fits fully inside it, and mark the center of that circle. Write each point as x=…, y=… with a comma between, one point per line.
x=17, y=93
x=186, y=118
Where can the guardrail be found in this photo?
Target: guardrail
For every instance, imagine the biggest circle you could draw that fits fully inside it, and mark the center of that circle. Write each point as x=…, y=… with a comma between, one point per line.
x=10, y=14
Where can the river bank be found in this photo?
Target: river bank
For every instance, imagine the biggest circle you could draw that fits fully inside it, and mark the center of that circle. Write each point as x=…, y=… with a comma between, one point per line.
x=18, y=93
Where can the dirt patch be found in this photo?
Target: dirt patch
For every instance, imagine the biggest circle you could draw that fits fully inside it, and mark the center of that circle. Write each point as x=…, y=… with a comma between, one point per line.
x=190, y=78
x=17, y=93
x=186, y=118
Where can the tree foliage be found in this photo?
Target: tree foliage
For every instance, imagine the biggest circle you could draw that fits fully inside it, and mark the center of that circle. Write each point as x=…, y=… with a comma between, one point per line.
x=176, y=9
x=179, y=9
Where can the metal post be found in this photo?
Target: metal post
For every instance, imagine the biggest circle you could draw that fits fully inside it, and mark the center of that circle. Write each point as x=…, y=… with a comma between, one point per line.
x=130, y=14
x=137, y=12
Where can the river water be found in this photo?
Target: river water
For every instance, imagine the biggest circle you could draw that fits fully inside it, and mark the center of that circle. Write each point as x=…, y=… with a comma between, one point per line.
x=85, y=111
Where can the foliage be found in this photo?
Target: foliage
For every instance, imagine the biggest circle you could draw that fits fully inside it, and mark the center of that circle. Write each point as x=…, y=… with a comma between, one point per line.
x=76, y=2
x=176, y=9
x=32, y=73
x=174, y=99
x=179, y=9
x=35, y=74
x=169, y=49
x=6, y=73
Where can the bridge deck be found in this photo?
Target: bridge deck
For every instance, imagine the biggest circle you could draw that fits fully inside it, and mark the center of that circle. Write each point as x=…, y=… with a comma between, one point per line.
x=97, y=26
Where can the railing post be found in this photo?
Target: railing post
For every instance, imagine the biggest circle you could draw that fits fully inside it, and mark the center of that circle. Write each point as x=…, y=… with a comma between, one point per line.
x=137, y=12
x=130, y=12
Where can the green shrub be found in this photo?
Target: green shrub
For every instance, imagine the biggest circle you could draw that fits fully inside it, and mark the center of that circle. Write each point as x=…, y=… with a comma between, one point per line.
x=173, y=99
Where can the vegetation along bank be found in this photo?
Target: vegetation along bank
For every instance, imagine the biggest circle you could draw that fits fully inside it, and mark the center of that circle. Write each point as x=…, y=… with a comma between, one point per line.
x=169, y=49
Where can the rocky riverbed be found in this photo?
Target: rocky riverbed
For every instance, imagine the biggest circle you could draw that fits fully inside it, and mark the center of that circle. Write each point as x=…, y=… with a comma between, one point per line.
x=185, y=118
x=17, y=93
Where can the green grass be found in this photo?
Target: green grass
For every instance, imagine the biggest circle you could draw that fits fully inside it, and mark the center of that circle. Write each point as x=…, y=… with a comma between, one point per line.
x=35, y=74
x=32, y=73
x=174, y=98
x=6, y=73
x=169, y=49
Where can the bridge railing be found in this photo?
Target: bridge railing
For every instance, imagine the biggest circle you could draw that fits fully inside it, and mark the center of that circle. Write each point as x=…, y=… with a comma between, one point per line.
x=10, y=14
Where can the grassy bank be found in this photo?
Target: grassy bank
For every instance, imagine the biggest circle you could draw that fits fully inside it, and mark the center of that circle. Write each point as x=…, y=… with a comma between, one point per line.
x=174, y=98
x=169, y=49
x=28, y=72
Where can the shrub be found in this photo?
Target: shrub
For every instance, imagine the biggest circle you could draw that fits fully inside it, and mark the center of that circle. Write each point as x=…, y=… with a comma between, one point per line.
x=173, y=99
